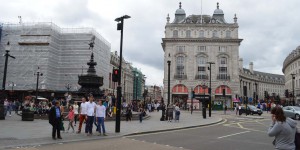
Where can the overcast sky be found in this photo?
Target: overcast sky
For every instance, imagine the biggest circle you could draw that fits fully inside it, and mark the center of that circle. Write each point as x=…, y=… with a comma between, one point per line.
x=270, y=28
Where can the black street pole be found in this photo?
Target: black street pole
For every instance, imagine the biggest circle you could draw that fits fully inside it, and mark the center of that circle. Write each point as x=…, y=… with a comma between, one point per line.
x=209, y=89
x=5, y=65
x=119, y=88
x=169, y=63
x=38, y=74
x=293, y=78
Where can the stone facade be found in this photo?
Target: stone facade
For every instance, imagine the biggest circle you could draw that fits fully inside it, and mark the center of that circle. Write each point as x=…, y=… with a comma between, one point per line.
x=291, y=65
x=191, y=42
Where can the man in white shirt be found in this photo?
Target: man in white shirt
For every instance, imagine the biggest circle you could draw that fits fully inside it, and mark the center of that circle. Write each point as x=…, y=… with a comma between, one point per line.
x=100, y=117
x=82, y=116
x=90, y=109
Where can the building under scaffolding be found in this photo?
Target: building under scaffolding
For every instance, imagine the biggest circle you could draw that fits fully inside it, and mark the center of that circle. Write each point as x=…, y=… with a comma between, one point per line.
x=60, y=53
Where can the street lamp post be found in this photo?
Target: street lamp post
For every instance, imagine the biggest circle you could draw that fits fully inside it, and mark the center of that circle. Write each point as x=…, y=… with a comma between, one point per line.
x=120, y=26
x=293, y=79
x=256, y=96
x=38, y=74
x=209, y=89
x=169, y=63
x=7, y=48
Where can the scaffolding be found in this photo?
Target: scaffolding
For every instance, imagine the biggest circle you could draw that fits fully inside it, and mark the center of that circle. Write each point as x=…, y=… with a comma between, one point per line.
x=61, y=53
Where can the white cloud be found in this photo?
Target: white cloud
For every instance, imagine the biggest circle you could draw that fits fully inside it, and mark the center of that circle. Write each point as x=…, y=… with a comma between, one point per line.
x=270, y=29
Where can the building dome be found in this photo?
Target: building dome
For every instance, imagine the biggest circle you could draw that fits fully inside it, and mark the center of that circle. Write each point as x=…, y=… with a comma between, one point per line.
x=218, y=11
x=180, y=12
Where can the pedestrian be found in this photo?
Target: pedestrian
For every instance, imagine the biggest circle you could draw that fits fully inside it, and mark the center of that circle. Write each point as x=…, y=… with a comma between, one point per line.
x=76, y=107
x=170, y=113
x=283, y=129
x=100, y=117
x=62, y=110
x=55, y=120
x=70, y=116
x=17, y=106
x=82, y=116
x=90, y=109
x=9, y=107
x=225, y=109
x=142, y=112
x=163, y=109
x=128, y=114
x=239, y=109
x=5, y=107
x=177, y=113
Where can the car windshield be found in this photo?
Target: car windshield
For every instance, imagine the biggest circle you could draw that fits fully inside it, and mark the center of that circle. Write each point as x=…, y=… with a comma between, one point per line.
x=297, y=108
x=252, y=107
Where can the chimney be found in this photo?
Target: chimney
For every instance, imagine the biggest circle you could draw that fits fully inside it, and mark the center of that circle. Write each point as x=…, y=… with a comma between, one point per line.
x=251, y=67
x=241, y=63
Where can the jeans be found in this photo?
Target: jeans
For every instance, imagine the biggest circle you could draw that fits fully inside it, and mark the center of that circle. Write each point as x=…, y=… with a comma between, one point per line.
x=100, y=122
x=89, y=124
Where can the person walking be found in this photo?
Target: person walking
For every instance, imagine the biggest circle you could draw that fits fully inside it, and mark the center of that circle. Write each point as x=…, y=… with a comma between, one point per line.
x=100, y=117
x=177, y=113
x=82, y=116
x=55, y=120
x=141, y=115
x=5, y=107
x=128, y=114
x=90, y=109
x=283, y=129
x=76, y=107
x=70, y=116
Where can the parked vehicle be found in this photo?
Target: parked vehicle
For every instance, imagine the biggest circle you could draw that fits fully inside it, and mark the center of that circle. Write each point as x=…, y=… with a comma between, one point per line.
x=250, y=110
x=292, y=112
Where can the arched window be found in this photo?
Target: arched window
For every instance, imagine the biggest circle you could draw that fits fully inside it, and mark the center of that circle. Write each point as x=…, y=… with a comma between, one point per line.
x=223, y=60
x=201, y=68
x=180, y=67
x=175, y=33
x=188, y=33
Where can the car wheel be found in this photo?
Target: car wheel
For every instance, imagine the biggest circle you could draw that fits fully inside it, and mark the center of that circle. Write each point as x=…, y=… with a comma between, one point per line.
x=297, y=117
x=259, y=114
x=251, y=113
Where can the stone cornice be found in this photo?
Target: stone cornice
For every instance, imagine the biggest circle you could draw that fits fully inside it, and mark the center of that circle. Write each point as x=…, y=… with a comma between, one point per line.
x=207, y=40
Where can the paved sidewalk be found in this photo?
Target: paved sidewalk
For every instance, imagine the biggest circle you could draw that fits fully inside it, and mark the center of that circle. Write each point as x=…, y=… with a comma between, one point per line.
x=17, y=133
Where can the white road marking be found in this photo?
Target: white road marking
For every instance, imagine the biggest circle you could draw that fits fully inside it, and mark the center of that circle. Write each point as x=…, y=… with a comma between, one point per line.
x=232, y=134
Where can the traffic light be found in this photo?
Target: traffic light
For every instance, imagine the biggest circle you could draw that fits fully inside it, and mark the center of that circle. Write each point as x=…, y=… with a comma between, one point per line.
x=265, y=94
x=115, y=75
x=286, y=93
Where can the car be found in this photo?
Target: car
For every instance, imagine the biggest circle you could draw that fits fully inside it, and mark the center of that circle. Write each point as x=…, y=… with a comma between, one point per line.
x=250, y=110
x=292, y=112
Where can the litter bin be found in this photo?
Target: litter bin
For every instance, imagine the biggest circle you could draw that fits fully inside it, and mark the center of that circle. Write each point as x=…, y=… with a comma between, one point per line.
x=27, y=115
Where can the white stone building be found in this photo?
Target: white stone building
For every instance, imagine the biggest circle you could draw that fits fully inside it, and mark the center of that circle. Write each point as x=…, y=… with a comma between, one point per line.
x=191, y=42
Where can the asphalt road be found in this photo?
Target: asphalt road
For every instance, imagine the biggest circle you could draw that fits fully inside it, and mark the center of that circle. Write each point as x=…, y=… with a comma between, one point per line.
x=235, y=133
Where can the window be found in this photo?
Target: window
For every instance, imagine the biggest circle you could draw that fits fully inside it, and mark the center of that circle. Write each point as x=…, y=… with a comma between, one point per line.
x=215, y=34
x=223, y=60
x=202, y=48
x=180, y=66
x=180, y=49
x=188, y=33
x=201, y=34
x=228, y=34
x=201, y=61
x=175, y=33
x=223, y=49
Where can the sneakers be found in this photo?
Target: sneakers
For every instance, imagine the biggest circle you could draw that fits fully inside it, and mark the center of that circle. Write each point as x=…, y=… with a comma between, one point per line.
x=78, y=132
x=104, y=134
